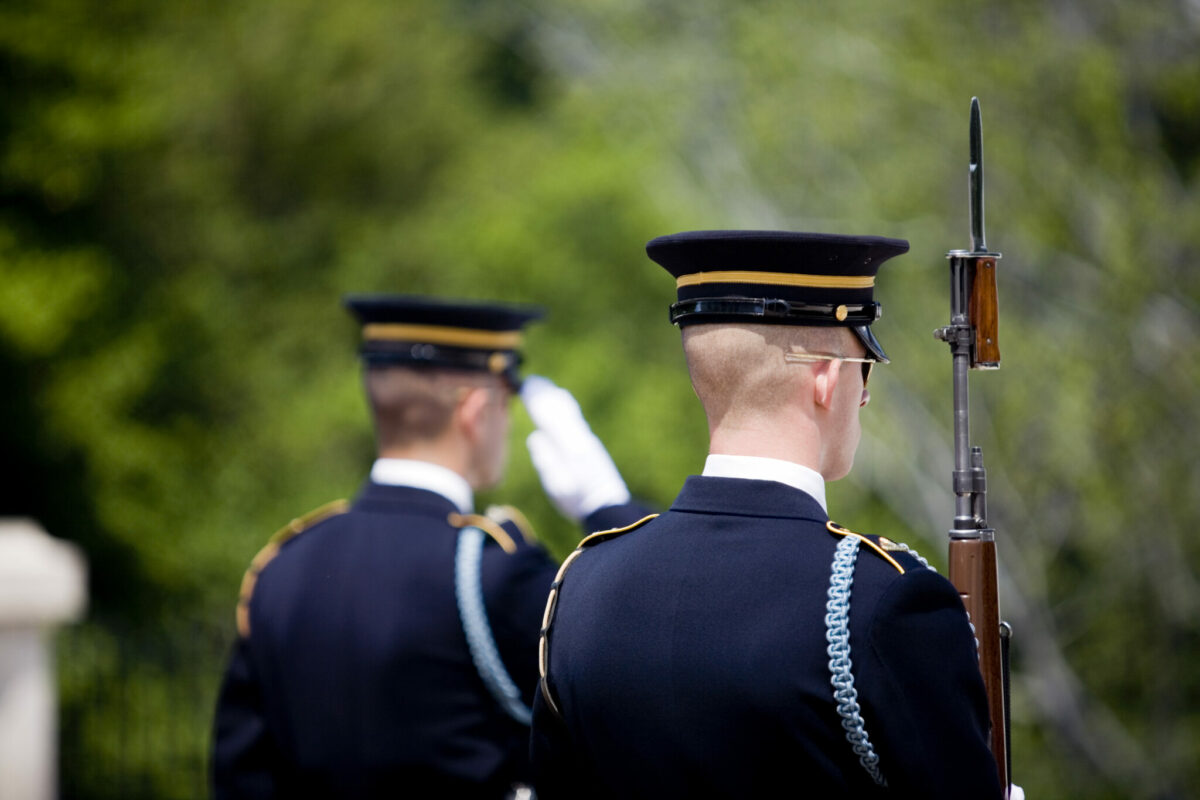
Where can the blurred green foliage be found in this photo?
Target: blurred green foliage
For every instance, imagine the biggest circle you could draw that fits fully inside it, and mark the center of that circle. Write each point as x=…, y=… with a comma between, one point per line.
x=187, y=189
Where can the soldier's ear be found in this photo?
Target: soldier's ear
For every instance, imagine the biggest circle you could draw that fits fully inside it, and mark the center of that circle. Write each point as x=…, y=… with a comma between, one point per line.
x=825, y=380
x=470, y=410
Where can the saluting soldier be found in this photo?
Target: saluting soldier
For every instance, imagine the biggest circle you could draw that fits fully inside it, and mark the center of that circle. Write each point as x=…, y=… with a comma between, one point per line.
x=741, y=644
x=387, y=647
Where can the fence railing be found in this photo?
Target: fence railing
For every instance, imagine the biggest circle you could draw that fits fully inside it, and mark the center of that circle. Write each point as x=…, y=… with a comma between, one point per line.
x=137, y=708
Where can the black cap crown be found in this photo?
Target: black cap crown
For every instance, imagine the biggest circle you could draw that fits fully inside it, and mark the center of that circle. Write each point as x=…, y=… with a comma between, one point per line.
x=776, y=277
x=452, y=334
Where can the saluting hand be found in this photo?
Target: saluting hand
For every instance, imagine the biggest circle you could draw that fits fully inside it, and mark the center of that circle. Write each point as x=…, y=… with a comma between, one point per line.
x=575, y=469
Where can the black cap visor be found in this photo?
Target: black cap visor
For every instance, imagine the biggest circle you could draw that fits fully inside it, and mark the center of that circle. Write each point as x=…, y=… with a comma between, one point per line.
x=869, y=341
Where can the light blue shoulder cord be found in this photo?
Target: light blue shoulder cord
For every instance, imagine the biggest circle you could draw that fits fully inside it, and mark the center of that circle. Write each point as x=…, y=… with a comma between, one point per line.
x=468, y=592
x=837, y=633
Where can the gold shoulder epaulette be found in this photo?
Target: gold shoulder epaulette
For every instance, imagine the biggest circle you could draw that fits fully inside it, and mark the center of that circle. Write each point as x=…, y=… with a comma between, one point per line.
x=485, y=524
x=612, y=533
x=881, y=547
x=296, y=526
x=552, y=604
x=513, y=515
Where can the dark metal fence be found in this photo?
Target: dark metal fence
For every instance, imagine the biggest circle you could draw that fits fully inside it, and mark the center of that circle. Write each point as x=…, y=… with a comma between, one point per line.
x=136, y=710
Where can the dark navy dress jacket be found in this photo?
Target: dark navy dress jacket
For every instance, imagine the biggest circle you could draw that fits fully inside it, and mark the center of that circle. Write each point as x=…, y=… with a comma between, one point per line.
x=354, y=678
x=688, y=659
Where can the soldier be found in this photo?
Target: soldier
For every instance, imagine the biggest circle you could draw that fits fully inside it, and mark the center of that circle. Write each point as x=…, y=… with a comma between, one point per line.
x=388, y=647
x=742, y=644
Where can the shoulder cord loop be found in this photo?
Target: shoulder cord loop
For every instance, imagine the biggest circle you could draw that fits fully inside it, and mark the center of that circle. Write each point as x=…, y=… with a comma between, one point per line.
x=468, y=592
x=837, y=633
x=920, y=558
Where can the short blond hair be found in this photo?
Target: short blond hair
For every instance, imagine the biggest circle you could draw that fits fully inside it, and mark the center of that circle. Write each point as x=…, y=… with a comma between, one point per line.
x=738, y=368
x=412, y=404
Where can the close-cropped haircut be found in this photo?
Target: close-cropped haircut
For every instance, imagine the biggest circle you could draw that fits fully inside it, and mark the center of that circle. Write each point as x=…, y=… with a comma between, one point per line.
x=412, y=404
x=739, y=368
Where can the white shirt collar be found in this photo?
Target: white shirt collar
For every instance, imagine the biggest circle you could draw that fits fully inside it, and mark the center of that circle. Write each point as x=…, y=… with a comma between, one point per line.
x=758, y=468
x=425, y=475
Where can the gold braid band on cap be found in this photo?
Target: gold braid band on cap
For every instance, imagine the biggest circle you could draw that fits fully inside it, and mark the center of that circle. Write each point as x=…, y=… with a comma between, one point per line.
x=440, y=334
x=777, y=279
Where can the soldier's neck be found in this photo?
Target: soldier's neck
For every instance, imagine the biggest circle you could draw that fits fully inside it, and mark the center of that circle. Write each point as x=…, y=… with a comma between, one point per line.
x=443, y=452
x=797, y=442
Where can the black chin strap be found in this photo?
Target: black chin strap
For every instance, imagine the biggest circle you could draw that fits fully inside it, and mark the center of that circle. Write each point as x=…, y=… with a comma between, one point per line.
x=857, y=317
x=505, y=363
x=761, y=309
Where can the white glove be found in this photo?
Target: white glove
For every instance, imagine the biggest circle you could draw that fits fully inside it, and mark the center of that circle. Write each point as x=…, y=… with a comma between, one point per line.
x=1016, y=793
x=576, y=471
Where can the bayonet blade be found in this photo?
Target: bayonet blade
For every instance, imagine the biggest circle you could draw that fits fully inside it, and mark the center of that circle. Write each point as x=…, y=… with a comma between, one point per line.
x=978, y=240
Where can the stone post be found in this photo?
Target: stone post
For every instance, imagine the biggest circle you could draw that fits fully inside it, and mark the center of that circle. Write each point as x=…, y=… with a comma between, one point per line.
x=42, y=586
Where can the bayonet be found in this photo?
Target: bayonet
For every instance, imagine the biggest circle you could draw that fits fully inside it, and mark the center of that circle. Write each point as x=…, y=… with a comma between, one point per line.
x=978, y=240
x=975, y=312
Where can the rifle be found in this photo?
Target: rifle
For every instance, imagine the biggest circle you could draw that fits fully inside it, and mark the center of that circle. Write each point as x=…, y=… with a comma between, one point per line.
x=974, y=344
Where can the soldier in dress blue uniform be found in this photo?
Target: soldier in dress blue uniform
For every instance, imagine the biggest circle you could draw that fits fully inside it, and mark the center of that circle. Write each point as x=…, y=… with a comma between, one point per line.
x=741, y=644
x=387, y=647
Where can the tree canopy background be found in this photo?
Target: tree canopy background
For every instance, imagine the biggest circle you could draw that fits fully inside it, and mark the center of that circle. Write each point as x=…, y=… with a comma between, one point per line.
x=186, y=190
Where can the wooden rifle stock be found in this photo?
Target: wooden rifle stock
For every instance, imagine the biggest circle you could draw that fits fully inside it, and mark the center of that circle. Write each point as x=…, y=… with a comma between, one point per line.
x=973, y=573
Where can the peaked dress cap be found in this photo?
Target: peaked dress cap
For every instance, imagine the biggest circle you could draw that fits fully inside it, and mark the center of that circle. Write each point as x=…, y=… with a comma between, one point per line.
x=434, y=332
x=776, y=277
